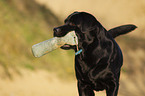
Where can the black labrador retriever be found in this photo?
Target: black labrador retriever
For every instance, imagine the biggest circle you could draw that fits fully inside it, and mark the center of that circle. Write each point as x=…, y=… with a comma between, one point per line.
x=98, y=57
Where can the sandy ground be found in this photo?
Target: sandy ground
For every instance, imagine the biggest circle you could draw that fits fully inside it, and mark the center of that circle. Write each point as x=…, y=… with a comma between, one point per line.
x=38, y=83
x=44, y=83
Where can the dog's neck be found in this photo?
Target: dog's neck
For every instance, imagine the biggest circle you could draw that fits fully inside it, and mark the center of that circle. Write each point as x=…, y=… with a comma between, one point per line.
x=88, y=42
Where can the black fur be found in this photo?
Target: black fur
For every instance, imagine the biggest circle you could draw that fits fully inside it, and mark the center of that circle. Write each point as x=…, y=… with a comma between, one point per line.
x=98, y=65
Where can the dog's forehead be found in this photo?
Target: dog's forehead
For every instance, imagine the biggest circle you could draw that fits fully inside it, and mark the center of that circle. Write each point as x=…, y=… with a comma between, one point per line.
x=79, y=15
x=68, y=18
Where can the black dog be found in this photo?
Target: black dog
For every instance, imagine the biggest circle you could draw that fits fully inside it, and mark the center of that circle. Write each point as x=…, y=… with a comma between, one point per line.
x=98, y=58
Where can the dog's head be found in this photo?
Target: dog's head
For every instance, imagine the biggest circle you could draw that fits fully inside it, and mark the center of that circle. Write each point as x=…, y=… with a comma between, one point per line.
x=85, y=26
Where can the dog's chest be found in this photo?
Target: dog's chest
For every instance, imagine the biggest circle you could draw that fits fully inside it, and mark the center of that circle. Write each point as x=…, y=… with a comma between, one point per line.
x=86, y=68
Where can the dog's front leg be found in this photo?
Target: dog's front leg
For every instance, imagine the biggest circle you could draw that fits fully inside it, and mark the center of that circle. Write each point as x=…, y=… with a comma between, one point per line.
x=85, y=89
x=112, y=90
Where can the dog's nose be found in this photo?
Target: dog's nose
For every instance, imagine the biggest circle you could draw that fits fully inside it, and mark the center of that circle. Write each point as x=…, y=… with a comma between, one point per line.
x=56, y=30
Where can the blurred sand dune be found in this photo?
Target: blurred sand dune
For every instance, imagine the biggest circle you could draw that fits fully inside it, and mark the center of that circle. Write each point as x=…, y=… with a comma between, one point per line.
x=38, y=83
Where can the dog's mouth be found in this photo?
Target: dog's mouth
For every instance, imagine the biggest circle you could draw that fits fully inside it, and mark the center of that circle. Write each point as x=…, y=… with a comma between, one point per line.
x=67, y=47
x=72, y=41
x=68, y=37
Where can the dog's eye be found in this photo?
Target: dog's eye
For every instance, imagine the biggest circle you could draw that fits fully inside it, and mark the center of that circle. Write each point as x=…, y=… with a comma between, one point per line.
x=72, y=24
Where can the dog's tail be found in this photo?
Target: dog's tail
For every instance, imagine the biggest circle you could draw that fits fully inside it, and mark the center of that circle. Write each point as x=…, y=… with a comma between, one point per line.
x=114, y=32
